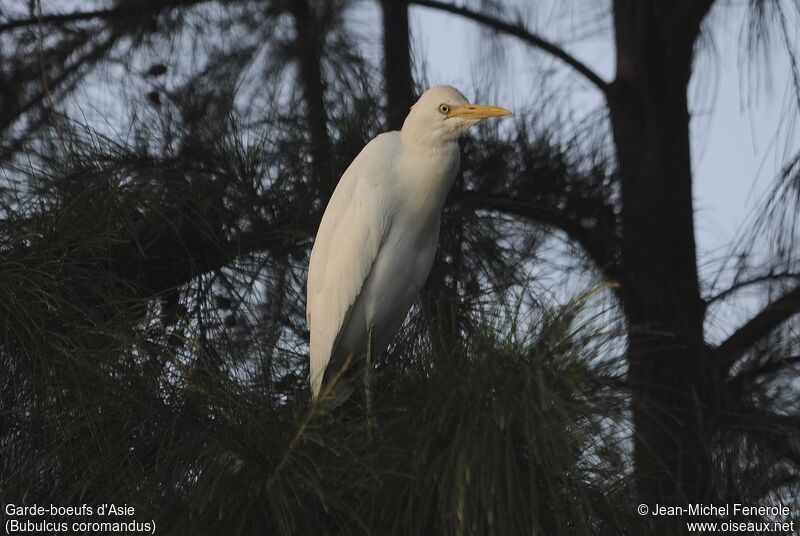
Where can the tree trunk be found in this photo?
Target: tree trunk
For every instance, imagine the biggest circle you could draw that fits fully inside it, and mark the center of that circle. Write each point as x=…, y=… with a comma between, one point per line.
x=308, y=44
x=397, y=61
x=668, y=359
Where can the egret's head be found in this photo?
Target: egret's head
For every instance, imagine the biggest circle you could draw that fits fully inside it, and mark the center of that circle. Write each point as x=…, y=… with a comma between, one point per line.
x=442, y=113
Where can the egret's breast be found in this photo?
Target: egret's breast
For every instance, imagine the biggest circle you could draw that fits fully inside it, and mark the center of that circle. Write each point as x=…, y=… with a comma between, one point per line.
x=406, y=255
x=399, y=272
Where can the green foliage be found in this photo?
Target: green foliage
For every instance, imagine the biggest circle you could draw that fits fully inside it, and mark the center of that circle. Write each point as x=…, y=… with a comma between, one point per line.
x=127, y=379
x=505, y=435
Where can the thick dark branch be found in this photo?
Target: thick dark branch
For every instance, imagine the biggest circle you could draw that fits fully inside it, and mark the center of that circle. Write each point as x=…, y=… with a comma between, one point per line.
x=521, y=33
x=139, y=7
x=596, y=247
x=772, y=316
x=178, y=255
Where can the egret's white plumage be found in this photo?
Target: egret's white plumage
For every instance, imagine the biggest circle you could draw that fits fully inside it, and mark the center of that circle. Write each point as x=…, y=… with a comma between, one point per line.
x=377, y=239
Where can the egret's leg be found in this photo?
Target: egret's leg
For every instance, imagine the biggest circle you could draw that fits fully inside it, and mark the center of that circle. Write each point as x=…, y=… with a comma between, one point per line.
x=368, y=378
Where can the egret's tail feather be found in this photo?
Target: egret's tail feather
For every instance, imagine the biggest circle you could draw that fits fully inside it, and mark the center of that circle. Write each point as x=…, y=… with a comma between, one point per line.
x=336, y=395
x=337, y=388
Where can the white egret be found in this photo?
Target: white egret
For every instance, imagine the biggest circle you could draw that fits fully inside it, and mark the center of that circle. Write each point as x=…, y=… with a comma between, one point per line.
x=377, y=239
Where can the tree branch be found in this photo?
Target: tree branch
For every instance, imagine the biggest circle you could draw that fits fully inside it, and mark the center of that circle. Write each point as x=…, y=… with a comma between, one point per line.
x=138, y=7
x=520, y=32
x=597, y=248
x=772, y=316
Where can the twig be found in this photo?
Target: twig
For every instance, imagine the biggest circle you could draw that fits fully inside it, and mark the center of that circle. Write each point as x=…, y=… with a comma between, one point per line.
x=303, y=425
x=521, y=33
x=741, y=284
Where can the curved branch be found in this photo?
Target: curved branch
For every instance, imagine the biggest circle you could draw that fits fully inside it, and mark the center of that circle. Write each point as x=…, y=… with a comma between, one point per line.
x=772, y=316
x=520, y=32
x=598, y=248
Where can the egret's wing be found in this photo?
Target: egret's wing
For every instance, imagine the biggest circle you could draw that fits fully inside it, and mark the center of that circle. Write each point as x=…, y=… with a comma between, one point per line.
x=347, y=243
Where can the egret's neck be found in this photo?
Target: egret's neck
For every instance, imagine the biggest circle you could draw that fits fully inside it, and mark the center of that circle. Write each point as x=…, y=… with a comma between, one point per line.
x=428, y=169
x=424, y=136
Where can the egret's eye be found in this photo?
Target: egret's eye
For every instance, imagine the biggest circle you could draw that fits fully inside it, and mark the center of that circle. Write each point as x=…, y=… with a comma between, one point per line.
x=444, y=109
